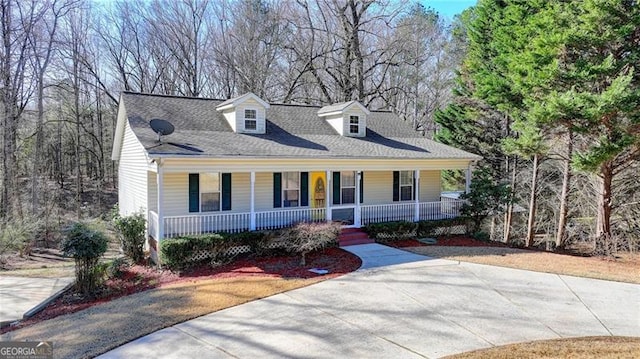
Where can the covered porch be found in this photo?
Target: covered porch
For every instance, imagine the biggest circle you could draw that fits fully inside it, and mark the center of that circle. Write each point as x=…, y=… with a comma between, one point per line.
x=263, y=199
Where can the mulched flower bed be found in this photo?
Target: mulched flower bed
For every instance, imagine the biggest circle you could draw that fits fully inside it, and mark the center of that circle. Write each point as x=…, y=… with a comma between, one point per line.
x=454, y=241
x=138, y=278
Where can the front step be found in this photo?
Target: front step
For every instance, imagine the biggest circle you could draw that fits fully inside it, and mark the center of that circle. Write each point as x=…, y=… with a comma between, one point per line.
x=353, y=236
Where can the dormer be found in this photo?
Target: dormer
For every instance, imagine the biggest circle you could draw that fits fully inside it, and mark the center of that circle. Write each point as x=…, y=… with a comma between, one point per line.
x=245, y=114
x=347, y=118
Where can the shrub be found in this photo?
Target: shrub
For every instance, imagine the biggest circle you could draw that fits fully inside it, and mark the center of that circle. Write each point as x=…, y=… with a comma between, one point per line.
x=304, y=238
x=18, y=235
x=258, y=242
x=481, y=236
x=443, y=227
x=484, y=199
x=182, y=252
x=132, y=235
x=86, y=245
x=117, y=267
x=389, y=231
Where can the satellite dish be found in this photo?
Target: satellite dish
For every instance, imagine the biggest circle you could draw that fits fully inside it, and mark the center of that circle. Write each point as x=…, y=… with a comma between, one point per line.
x=161, y=127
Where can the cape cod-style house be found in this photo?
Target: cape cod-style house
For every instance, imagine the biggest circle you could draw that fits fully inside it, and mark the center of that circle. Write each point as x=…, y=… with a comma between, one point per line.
x=244, y=164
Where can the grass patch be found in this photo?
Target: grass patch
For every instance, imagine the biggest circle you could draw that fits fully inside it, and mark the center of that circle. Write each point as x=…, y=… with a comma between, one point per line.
x=625, y=268
x=588, y=347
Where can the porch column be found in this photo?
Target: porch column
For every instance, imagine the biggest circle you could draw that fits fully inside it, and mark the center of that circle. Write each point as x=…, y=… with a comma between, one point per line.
x=467, y=185
x=416, y=176
x=160, y=197
x=327, y=196
x=252, y=216
x=357, y=215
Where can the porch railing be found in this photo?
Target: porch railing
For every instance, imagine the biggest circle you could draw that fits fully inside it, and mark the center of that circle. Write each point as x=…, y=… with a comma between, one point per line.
x=376, y=213
x=208, y=223
x=237, y=222
x=288, y=217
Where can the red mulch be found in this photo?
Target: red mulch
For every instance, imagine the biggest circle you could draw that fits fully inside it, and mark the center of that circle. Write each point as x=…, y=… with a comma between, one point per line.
x=454, y=241
x=138, y=278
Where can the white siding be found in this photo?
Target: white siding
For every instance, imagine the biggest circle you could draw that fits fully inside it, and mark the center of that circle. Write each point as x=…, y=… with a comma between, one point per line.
x=240, y=192
x=264, y=191
x=378, y=187
x=261, y=115
x=337, y=122
x=132, y=174
x=355, y=111
x=176, y=194
x=152, y=191
x=430, y=186
x=230, y=116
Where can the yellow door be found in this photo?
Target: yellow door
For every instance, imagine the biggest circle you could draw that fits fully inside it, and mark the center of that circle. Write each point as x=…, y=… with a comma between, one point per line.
x=318, y=189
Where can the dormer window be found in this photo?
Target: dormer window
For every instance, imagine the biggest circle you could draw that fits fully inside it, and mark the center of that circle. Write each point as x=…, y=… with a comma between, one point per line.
x=250, y=121
x=348, y=118
x=245, y=114
x=354, y=125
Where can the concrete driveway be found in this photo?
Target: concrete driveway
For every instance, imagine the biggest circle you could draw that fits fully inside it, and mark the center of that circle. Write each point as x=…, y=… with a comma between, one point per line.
x=20, y=294
x=402, y=305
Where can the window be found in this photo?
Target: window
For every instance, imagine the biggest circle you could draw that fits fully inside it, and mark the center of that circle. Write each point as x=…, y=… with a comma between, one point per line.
x=406, y=185
x=209, y=192
x=250, y=122
x=354, y=125
x=348, y=187
x=290, y=189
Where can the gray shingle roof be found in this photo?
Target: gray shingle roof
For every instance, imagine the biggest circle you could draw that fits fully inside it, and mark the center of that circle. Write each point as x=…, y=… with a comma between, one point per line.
x=335, y=107
x=291, y=131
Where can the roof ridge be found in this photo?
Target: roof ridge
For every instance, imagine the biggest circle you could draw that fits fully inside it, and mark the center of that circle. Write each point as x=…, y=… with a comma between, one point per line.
x=172, y=96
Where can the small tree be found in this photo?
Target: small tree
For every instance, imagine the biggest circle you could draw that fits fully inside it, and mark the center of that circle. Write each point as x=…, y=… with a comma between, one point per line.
x=305, y=238
x=131, y=230
x=484, y=198
x=86, y=245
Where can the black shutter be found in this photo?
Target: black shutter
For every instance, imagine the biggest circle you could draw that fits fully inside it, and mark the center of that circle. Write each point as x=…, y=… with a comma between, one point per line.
x=396, y=186
x=226, y=191
x=304, y=189
x=194, y=192
x=415, y=190
x=362, y=187
x=277, y=190
x=336, y=187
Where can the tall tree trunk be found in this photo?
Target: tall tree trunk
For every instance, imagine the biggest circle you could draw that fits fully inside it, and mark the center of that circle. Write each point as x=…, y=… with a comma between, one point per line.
x=76, y=103
x=508, y=216
x=37, y=151
x=564, y=196
x=532, y=202
x=603, y=223
x=9, y=118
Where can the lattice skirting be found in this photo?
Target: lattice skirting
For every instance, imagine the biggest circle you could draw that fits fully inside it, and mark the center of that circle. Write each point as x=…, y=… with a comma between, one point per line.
x=202, y=255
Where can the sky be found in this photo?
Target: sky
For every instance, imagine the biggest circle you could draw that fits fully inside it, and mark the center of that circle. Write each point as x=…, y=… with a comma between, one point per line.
x=448, y=8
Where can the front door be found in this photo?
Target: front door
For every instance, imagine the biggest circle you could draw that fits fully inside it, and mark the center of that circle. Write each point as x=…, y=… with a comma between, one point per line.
x=318, y=189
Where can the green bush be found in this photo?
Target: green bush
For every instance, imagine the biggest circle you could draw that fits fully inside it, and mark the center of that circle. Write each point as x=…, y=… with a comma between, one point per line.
x=86, y=244
x=443, y=227
x=481, y=236
x=117, y=267
x=132, y=235
x=18, y=235
x=304, y=238
x=390, y=231
x=180, y=252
